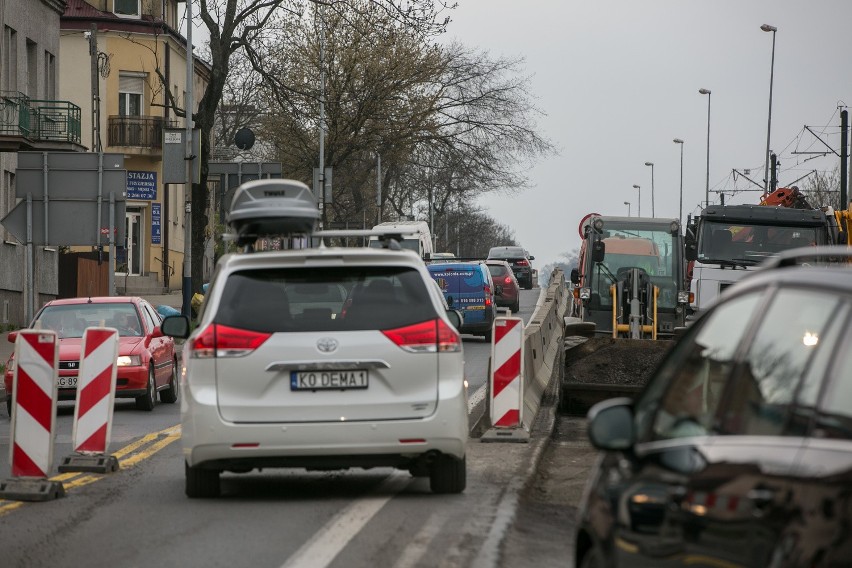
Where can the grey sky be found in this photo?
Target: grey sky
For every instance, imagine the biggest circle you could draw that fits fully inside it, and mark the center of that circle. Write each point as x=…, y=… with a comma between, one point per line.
x=619, y=81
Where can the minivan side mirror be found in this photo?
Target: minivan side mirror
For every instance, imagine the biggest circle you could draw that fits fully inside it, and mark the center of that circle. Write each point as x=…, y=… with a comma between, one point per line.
x=455, y=318
x=175, y=326
x=532, y=258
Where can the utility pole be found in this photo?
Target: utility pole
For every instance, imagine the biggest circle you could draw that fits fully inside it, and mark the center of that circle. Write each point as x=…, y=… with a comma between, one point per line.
x=187, y=237
x=844, y=158
x=96, y=96
x=321, y=196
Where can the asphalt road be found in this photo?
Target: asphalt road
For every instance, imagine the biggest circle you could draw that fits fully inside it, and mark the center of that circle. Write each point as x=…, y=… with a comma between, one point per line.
x=140, y=517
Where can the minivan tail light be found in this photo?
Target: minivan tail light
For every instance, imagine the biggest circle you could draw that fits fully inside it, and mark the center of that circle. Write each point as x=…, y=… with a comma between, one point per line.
x=508, y=280
x=219, y=340
x=425, y=337
x=487, y=290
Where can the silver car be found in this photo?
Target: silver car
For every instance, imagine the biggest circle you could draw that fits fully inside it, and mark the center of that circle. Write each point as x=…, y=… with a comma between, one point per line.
x=323, y=359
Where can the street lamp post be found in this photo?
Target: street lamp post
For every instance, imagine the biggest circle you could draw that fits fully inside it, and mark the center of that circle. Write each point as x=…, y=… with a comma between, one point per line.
x=680, y=214
x=707, y=181
x=652, y=187
x=773, y=29
x=639, y=214
x=628, y=207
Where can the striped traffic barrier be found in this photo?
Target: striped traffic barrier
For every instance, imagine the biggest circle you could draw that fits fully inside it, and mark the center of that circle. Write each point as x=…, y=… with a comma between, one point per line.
x=507, y=381
x=32, y=432
x=95, y=398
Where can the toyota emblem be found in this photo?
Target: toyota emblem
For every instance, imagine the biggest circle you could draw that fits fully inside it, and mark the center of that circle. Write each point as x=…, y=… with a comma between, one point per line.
x=327, y=344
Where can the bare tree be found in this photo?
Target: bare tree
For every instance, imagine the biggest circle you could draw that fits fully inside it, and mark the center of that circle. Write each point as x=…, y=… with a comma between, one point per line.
x=448, y=122
x=823, y=188
x=248, y=26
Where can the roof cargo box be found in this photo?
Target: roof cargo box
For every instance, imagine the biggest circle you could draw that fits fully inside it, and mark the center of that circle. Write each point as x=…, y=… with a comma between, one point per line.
x=268, y=207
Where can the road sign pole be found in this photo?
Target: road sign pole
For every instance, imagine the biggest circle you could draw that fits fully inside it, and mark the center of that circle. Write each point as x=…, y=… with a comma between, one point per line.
x=29, y=288
x=111, y=262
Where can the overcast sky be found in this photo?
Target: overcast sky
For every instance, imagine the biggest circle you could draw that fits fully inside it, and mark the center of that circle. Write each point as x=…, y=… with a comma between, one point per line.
x=619, y=80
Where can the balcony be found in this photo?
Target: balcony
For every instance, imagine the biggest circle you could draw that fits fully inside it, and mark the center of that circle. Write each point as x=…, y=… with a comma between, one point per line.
x=33, y=124
x=144, y=133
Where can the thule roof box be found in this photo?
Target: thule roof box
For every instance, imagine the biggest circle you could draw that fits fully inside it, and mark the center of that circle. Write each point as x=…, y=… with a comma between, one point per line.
x=272, y=207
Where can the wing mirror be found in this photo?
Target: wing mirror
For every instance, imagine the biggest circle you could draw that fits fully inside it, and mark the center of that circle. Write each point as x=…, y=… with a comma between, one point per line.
x=598, y=251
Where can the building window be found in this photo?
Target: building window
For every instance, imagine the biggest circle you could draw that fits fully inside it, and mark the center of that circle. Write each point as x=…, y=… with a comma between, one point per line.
x=10, y=63
x=126, y=8
x=32, y=69
x=130, y=89
x=49, y=76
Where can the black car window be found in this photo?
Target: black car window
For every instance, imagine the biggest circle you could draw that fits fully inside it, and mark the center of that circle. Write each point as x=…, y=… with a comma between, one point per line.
x=497, y=270
x=835, y=415
x=682, y=397
x=377, y=297
x=761, y=396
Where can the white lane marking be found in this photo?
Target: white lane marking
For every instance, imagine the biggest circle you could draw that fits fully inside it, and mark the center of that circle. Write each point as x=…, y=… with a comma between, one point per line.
x=333, y=537
x=477, y=397
x=412, y=553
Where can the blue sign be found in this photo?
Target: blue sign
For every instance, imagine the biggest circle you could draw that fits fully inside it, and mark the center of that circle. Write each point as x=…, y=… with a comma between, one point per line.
x=142, y=185
x=155, y=223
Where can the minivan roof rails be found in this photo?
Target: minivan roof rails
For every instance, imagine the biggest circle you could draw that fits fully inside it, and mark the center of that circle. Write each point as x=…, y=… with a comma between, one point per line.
x=271, y=207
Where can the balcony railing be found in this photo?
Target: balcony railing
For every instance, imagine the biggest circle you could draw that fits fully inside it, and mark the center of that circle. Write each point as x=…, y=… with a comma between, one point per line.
x=41, y=120
x=138, y=131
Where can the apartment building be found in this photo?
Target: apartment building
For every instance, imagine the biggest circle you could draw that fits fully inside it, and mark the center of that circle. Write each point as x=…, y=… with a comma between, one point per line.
x=32, y=118
x=138, y=60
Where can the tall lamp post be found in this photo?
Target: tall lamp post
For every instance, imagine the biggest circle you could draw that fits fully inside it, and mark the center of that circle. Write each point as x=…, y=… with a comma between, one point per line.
x=639, y=214
x=707, y=180
x=773, y=29
x=680, y=213
x=652, y=187
x=628, y=207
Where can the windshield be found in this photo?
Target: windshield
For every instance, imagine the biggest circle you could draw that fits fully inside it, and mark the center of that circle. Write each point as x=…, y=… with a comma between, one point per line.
x=409, y=244
x=654, y=250
x=749, y=243
x=72, y=320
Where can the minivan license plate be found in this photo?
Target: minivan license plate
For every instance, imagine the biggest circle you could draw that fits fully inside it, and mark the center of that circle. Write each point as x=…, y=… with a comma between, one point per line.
x=328, y=380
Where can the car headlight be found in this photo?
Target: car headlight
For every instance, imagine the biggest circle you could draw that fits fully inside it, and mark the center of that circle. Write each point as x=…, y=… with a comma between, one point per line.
x=683, y=297
x=585, y=293
x=129, y=361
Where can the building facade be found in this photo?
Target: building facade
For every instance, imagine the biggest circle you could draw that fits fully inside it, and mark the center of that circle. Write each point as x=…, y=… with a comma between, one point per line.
x=136, y=74
x=32, y=118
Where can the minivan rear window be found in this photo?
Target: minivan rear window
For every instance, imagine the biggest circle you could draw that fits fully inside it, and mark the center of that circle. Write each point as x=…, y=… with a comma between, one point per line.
x=324, y=299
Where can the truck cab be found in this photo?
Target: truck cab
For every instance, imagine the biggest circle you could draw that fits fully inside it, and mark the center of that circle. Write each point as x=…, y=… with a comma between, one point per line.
x=727, y=242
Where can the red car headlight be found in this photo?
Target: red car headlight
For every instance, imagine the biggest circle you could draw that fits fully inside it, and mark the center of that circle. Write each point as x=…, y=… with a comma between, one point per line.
x=129, y=361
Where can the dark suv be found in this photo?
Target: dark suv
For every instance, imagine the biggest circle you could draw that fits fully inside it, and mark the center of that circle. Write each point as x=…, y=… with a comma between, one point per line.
x=519, y=259
x=739, y=450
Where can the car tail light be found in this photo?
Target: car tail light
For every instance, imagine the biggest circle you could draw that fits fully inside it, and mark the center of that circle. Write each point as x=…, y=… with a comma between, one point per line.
x=508, y=280
x=522, y=262
x=425, y=337
x=487, y=290
x=222, y=341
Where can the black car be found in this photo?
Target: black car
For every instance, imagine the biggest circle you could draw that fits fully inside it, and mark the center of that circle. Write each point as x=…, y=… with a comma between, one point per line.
x=739, y=450
x=520, y=261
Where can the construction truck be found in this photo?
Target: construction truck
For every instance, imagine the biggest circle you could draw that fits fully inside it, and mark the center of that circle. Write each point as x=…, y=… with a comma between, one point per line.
x=726, y=242
x=629, y=297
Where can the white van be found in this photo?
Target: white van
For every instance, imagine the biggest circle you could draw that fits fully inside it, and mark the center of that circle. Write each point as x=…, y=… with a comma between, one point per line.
x=415, y=236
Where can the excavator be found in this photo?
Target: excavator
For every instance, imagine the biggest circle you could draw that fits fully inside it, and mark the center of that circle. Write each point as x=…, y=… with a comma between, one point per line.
x=629, y=297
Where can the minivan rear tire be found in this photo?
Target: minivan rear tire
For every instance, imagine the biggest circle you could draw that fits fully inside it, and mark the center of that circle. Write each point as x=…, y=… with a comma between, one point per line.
x=201, y=483
x=448, y=474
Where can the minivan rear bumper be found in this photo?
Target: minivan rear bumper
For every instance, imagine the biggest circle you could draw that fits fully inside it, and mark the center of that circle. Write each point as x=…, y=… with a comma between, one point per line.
x=207, y=439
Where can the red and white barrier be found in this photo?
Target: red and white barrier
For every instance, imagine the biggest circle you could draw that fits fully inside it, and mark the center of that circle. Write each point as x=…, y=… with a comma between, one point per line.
x=95, y=390
x=34, y=397
x=507, y=372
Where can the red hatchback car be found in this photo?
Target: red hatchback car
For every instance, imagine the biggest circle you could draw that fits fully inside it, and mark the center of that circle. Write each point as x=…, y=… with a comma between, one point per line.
x=147, y=363
x=502, y=275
